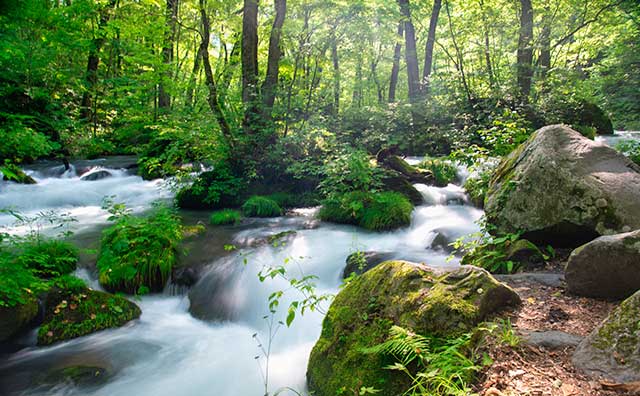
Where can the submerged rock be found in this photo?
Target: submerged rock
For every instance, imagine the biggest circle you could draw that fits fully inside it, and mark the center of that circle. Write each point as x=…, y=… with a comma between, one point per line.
x=97, y=175
x=77, y=376
x=15, y=174
x=613, y=348
x=71, y=314
x=563, y=189
x=607, y=267
x=16, y=318
x=414, y=296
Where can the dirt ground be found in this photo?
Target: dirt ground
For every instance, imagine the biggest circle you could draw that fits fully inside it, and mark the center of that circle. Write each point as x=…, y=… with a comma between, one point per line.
x=536, y=371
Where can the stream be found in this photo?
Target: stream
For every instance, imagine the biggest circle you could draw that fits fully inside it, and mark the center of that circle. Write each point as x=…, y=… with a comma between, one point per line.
x=170, y=352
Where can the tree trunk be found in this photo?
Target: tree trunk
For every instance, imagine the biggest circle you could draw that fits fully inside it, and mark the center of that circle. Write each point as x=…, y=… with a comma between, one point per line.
x=487, y=45
x=214, y=104
x=431, y=40
x=250, y=52
x=336, y=73
x=93, y=62
x=395, y=69
x=270, y=84
x=525, y=50
x=411, y=54
x=544, y=60
x=194, y=75
x=164, y=98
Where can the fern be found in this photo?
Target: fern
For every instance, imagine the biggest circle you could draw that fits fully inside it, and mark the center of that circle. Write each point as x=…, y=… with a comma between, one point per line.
x=404, y=345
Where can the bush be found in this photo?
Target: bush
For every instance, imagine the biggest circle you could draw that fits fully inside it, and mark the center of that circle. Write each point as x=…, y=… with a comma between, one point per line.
x=17, y=283
x=216, y=189
x=225, y=216
x=20, y=142
x=48, y=258
x=257, y=206
x=373, y=211
x=630, y=148
x=288, y=200
x=444, y=172
x=138, y=253
x=349, y=172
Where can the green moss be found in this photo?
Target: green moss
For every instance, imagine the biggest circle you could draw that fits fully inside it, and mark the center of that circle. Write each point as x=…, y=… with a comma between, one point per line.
x=398, y=293
x=620, y=333
x=257, y=206
x=225, y=217
x=78, y=312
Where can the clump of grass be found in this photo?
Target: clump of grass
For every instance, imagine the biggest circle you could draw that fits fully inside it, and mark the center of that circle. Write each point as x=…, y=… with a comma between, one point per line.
x=48, y=258
x=373, y=211
x=225, y=217
x=443, y=171
x=258, y=206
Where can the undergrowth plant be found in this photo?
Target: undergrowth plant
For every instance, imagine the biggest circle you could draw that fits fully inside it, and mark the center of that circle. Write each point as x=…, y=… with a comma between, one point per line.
x=373, y=211
x=257, y=206
x=443, y=171
x=225, y=217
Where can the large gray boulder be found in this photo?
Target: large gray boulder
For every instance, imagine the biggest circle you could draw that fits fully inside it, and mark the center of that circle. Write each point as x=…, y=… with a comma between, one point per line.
x=563, y=189
x=607, y=267
x=613, y=349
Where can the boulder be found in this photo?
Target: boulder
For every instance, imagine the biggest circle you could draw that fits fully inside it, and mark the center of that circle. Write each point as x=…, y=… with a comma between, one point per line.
x=16, y=318
x=394, y=181
x=607, y=267
x=361, y=262
x=70, y=314
x=95, y=175
x=612, y=350
x=551, y=339
x=417, y=297
x=412, y=174
x=15, y=174
x=563, y=189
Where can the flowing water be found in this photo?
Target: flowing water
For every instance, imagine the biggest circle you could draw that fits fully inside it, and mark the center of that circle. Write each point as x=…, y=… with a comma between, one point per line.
x=168, y=351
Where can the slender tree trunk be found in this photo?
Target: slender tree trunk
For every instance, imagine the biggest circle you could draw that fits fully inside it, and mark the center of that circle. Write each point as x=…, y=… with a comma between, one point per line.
x=86, y=112
x=431, y=40
x=212, y=100
x=194, y=75
x=250, y=52
x=164, y=98
x=336, y=73
x=544, y=60
x=525, y=50
x=270, y=84
x=411, y=53
x=356, y=99
x=459, y=57
x=395, y=69
x=234, y=61
x=487, y=45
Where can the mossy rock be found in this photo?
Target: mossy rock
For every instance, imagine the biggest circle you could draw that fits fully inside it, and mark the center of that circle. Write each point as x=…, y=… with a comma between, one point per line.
x=374, y=211
x=85, y=376
x=562, y=189
x=393, y=181
x=75, y=313
x=13, y=173
x=414, y=296
x=613, y=348
x=16, y=318
x=411, y=173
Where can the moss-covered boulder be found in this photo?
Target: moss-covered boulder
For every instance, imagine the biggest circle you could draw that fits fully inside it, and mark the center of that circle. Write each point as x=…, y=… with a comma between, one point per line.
x=607, y=267
x=16, y=318
x=411, y=173
x=613, y=348
x=414, y=296
x=79, y=311
x=13, y=173
x=393, y=181
x=563, y=189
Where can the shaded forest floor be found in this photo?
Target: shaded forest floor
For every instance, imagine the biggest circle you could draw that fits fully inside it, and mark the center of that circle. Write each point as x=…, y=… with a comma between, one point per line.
x=529, y=369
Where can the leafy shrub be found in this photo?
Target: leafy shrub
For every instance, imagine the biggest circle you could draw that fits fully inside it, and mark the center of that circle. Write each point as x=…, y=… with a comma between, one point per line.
x=373, y=211
x=20, y=142
x=444, y=172
x=16, y=282
x=508, y=130
x=69, y=283
x=257, y=206
x=214, y=189
x=48, y=258
x=630, y=148
x=139, y=252
x=349, y=172
x=288, y=200
x=225, y=216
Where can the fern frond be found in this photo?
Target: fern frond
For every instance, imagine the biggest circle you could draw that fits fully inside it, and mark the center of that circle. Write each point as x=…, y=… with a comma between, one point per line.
x=403, y=344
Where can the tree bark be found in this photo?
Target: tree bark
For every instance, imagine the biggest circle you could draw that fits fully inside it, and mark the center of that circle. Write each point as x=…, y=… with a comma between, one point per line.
x=250, y=52
x=431, y=40
x=194, y=75
x=212, y=100
x=525, y=50
x=270, y=84
x=395, y=69
x=93, y=62
x=411, y=54
x=164, y=98
x=336, y=73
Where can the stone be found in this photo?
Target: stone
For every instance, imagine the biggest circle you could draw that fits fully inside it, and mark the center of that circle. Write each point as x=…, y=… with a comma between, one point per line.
x=412, y=174
x=552, y=339
x=96, y=175
x=16, y=318
x=607, y=267
x=553, y=190
x=612, y=350
x=361, y=262
x=393, y=181
x=414, y=296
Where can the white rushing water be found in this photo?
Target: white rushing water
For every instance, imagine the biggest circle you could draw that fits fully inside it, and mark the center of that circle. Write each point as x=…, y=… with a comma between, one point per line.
x=168, y=351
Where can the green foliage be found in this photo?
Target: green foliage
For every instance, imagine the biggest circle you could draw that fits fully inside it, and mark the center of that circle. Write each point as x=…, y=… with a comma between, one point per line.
x=13, y=173
x=139, y=252
x=349, y=172
x=48, y=258
x=506, y=335
x=443, y=171
x=257, y=206
x=215, y=189
x=21, y=142
x=630, y=148
x=225, y=216
x=69, y=283
x=17, y=283
x=508, y=130
x=435, y=366
x=488, y=252
x=373, y=211
x=291, y=200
